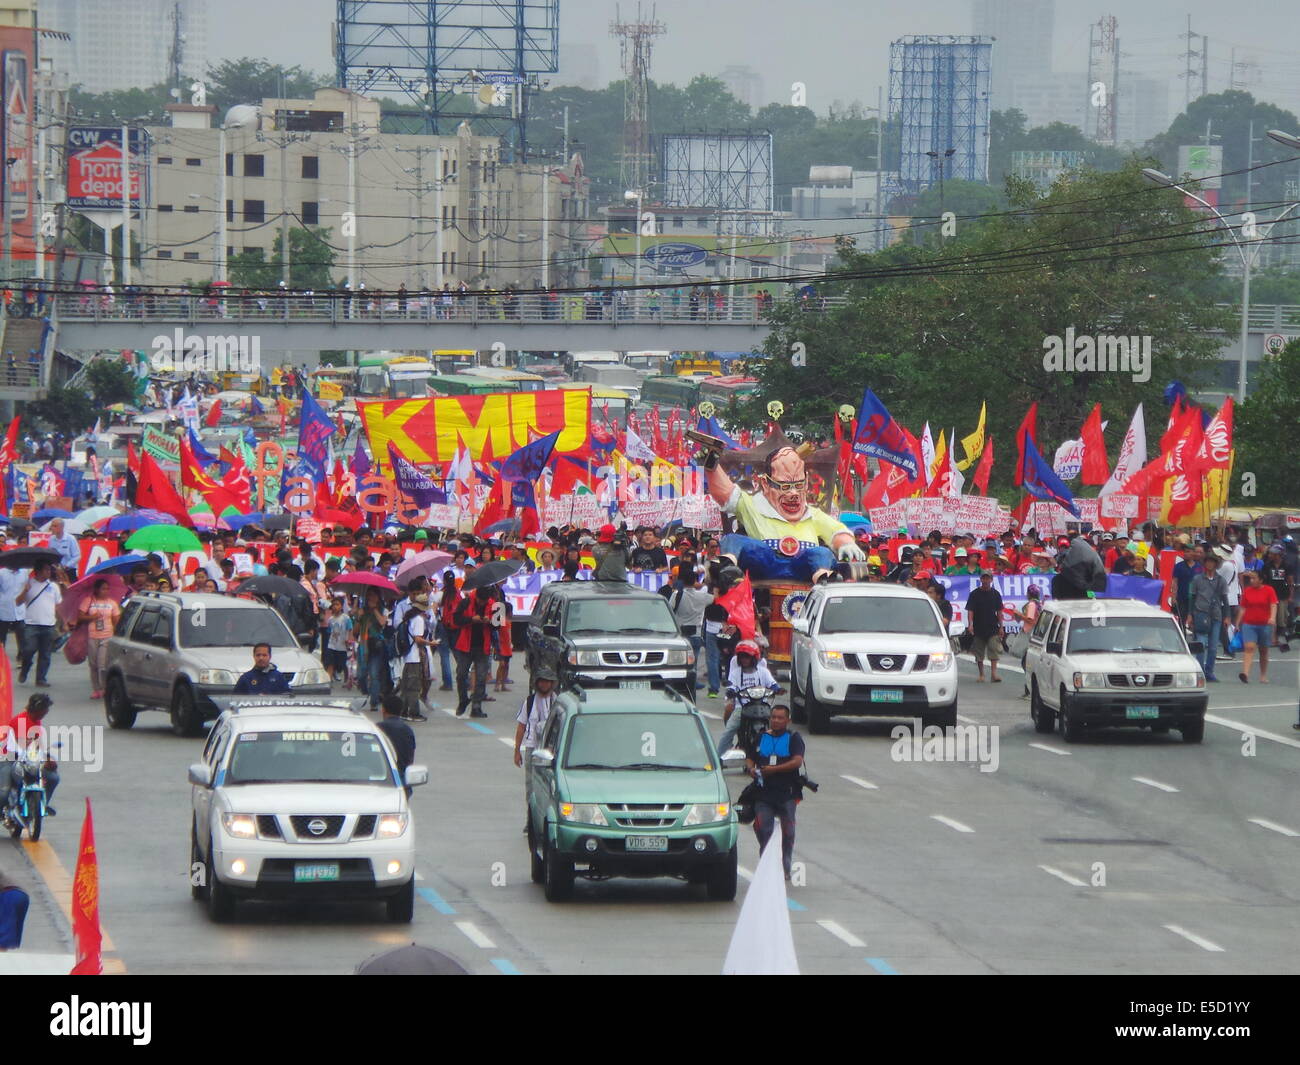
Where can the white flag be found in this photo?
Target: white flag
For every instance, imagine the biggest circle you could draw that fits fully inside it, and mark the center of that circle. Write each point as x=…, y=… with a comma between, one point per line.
x=762, y=943
x=927, y=452
x=1132, y=455
x=637, y=448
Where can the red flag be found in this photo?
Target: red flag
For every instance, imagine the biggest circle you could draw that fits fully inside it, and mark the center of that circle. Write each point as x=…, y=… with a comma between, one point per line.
x=132, y=459
x=193, y=476
x=985, y=468
x=1188, y=489
x=154, y=489
x=495, y=508
x=739, y=602
x=6, y=697
x=214, y=415
x=1096, y=470
x=1028, y=428
x=1149, y=480
x=9, y=452
x=86, y=932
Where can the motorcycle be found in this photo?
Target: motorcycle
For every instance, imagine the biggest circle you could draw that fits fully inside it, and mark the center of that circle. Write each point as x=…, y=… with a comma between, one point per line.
x=754, y=705
x=25, y=805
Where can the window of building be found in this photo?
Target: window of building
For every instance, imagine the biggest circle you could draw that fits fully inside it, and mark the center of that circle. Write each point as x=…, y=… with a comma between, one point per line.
x=230, y=210
x=164, y=255
x=449, y=262
x=448, y=216
x=188, y=162
x=191, y=208
x=311, y=166
x=164, y=160
x=482, y=262
x=678, y=221
x=249, y=250
x=254, y=210
x=163, y=207
x=230, y=164
x=254, y=165
x=702, y=221
x=310, y=213
x=191, y=256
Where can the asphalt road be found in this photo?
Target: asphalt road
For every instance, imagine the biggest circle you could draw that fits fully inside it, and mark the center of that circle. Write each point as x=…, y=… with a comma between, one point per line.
x=1128, y=853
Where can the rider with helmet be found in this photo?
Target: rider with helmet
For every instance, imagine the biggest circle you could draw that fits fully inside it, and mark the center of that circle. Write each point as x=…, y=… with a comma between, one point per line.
x=16, y=737
x=748, y=670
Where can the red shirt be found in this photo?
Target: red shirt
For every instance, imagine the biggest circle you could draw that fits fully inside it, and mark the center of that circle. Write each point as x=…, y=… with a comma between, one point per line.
x=1257, y=603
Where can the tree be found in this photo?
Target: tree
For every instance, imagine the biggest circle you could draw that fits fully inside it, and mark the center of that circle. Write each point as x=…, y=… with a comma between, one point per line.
x=121, y=105
x=967, y=200
x=1269, y=416
x=249, y=81
x=310, y=261
x=64, y=410
x=110, y=382
x=935, y=331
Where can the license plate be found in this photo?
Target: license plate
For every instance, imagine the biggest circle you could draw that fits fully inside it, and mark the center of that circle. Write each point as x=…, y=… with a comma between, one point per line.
x=887, y=695
x=635, y=684
x=1139, y=713
x=647, y=843
x=315, y=873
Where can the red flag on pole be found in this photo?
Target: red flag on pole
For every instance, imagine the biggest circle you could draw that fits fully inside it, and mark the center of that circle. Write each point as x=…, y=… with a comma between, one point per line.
x=6, y=697
x=214, y=415
x=1028, y=428
x=154, y=489
x=86, y=933
x=739, y=603
x=1096, y=470
x=985, y=468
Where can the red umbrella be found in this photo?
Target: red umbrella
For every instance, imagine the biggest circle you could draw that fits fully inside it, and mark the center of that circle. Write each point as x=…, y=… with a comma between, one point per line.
x=358, y=582
x=83, y=590
x=349, y=519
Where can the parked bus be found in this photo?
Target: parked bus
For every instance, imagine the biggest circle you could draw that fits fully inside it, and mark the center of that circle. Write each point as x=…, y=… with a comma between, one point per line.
x=722, y=391
x=574, y=359
x=521, y=380
x=615, y=401
x=465, y=385
x=343, y=376
x=392, y=375
x=670, y=391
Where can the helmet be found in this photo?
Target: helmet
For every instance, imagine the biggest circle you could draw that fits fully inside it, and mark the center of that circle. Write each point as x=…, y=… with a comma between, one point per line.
x=747, y=647
x=545, y=673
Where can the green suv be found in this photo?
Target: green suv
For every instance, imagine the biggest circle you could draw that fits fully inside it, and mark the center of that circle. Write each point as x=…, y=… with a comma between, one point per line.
x=628, y=783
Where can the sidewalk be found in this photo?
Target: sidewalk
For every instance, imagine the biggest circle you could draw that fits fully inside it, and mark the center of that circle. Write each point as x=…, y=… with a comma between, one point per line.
x=47, y=943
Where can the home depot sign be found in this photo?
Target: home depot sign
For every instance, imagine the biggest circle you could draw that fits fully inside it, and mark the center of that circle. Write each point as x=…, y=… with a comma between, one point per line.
x=95, y=167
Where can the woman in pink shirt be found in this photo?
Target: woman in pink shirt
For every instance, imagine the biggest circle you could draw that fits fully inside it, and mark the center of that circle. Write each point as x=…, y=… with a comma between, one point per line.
x=100, y=612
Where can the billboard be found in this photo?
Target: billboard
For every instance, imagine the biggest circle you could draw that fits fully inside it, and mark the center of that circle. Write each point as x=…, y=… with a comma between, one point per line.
x=95, y=167
x=17, y=136
x=1202, y=163
x=725, y=171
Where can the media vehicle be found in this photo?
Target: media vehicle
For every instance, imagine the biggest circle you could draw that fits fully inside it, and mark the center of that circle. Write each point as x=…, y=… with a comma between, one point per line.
x=628, y=784
x=1113, y=663
x=302, y=800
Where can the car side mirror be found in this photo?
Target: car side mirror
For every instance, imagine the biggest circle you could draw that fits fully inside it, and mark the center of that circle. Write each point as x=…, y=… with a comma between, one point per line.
x=799, y=624
x=1054, y=648
x=201, y=774
x=551, y=630
x=543, y=758
x=416, y=775
x=1196, y=647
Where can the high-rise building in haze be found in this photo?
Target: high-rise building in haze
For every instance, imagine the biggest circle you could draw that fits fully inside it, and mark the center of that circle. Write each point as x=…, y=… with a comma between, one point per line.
x=124, y=44
x=745, y=84
x=1023, y=49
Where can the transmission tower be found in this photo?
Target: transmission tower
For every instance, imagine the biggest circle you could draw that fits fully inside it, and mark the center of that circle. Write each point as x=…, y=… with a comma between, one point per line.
x=1103, y=71
x=1194, y=71
x=637, y=38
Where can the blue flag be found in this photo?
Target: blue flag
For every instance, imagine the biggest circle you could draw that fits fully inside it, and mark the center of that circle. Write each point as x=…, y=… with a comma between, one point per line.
x=360, y=464
x=529, y=461
x=710, y=425
x=205, y=457
x=255, y=407
x=413, y=482
x=1040, y=480
x=879, y=435
x=314, y=431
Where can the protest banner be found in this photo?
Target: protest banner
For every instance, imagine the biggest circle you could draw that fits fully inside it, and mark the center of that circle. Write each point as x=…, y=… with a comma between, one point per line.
x=1014, y=590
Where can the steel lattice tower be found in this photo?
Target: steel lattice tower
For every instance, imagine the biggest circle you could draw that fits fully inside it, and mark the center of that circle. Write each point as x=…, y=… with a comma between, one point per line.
x=1103, y=67
x=637, y=39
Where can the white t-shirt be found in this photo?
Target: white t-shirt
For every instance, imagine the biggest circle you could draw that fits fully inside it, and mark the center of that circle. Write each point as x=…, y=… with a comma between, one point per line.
x=12, y=583
x=416, y=625
x=41, y=601
x=1228, y=571
x=533, y=722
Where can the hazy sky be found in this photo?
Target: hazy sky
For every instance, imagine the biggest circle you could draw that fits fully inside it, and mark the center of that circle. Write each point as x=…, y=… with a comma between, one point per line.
x=838, y=48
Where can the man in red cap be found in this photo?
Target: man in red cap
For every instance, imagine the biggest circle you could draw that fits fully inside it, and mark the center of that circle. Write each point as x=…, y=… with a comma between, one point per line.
x=610, y=556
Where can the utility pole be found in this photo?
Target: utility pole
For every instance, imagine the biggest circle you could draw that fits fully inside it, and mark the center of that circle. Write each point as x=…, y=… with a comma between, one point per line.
x=125, y=277
x=420, y=187
x=438, y=275
x=546, y=225
x=880, y=155
x=219, y=260
x=352, y=209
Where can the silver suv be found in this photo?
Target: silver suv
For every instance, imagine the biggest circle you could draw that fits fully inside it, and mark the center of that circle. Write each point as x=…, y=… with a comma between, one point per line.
x=173, y=651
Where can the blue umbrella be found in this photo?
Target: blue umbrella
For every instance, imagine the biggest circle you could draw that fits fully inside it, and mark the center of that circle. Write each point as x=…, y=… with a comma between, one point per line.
x=122, y=562
x=506, y=525
x=129, y=522
x=49, y=513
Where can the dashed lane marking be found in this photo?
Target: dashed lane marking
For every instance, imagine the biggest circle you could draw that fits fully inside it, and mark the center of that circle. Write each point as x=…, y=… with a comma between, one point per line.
x=1049, y=749
x=841, y=933
x=1273, y=825
x=1073, y=881
x=859, y=782
x=955, y=825
x=882, y=967
x=474, y=934
x=1192, y=937
x=1156, y=784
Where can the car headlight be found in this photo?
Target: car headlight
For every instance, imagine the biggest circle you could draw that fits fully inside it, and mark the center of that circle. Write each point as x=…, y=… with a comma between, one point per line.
x=1090, y=680
x=220, y=678
x=679, y=657
x=940, y=662
x=831, y=659
x=707, y=813
x=243, y=826
x=306, y=678
x=391, y=825
x=586, y=813
x=1189, y=680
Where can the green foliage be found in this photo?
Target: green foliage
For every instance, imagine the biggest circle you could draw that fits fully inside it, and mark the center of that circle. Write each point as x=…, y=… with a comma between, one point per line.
x=936, y=331
x=310, y=261
x=122, y=105
x=110, y=382
x=64, y=410
x=1009, y=132
x=1265, y=424
x=968, y=200
x=249, y=81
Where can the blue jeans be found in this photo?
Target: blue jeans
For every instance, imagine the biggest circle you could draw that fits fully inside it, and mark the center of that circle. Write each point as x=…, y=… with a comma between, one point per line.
x=763, y=562
x=375, y=677
x=713, y=658
x=1204, y=625
x=766, y=814
x=38, y=643
x=444, y=653
x=693, y=674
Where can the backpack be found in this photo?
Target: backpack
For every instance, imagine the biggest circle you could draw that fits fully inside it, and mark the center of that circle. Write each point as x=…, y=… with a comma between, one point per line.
x=403, y=641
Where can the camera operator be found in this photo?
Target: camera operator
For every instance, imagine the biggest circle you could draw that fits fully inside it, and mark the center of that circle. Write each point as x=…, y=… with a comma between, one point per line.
x=775, y=767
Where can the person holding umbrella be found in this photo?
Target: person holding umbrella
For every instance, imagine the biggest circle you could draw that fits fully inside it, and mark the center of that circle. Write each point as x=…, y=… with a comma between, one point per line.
x=372, y=665
x=472, y=616
x=100, y=612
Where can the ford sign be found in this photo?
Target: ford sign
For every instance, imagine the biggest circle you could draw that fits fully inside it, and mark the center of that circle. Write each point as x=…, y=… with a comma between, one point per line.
x=675, y=256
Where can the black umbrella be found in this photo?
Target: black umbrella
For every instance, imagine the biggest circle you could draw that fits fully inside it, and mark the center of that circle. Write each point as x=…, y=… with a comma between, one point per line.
x=1081, y=569
x=278, y=521
x=490, y=573
x=28, y=557
x=413, y=960
x=271, y=585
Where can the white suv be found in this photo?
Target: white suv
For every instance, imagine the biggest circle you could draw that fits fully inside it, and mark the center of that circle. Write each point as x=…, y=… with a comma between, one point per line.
x=300, y=800
x=876, y=649
x=1111, y=663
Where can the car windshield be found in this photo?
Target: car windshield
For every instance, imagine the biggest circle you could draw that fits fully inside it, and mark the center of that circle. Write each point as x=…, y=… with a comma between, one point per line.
x=638, y=741
x=621, y=615
x=1121, y=635
x=308, y=757
x=203, y=626
x=845, y=613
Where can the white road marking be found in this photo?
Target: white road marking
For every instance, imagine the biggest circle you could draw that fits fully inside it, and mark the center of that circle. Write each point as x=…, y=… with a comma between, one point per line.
x=1073, y=881
x=967, y=720
x=1200, y=941
x=1257, y=706
x=1049, y=750
x=507, y=741
x=1239, y=727
x=957, y=825
x=842, y=934
x=1273, y=825
x=746, y=874
x=474, y=935
x=859, y=782
x=419, y=876
x=1155, y=784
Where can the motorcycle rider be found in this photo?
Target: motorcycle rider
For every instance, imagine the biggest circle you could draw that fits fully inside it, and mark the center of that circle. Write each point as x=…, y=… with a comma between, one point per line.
x=748, y=670
x=14, y=740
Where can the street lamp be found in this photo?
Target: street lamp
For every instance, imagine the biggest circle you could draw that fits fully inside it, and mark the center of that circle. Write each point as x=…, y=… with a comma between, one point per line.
x=940, y=159
x=1157, y=177
x=638, y=195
